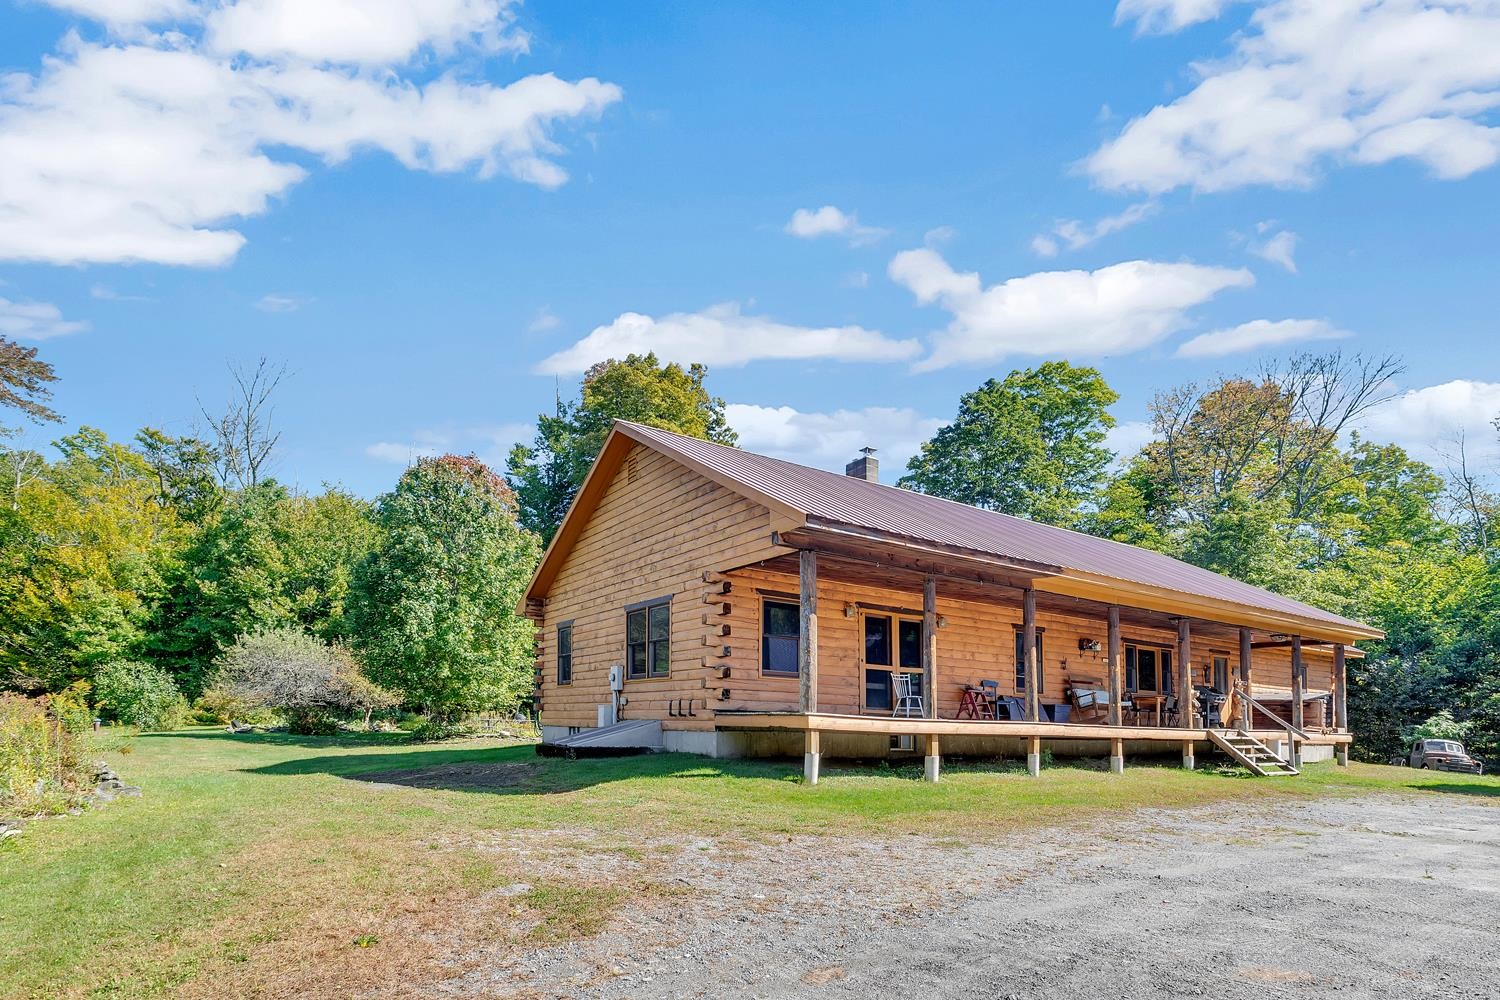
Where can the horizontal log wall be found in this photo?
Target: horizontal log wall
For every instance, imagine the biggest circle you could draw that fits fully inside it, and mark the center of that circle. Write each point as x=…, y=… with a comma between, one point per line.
x=658, y=527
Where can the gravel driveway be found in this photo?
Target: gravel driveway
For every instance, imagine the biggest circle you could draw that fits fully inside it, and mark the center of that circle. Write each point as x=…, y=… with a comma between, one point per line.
x=1368, y=897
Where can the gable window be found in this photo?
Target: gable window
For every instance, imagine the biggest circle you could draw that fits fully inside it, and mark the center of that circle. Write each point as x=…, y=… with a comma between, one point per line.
x=1041, y=674
x=648, y=639
x=780, y=630
x=565, y=653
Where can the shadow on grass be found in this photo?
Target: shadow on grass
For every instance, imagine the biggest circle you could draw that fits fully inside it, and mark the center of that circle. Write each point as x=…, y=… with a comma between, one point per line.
x=515, y=770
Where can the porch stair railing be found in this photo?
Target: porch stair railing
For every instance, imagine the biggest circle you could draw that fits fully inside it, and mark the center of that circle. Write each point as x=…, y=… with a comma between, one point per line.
x=1251, y=753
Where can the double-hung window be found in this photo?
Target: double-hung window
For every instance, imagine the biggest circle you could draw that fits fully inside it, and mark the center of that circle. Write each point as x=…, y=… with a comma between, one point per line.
x=648, y=639
x=565, y=653
x=780, y=630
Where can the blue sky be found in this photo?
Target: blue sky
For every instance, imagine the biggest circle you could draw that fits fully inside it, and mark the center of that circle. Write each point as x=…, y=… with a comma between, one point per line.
x=435, y=212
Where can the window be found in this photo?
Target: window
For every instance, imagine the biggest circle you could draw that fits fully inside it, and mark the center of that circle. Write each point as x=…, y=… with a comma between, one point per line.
x=1148, y=668
x=648, y=639
x=1041, y=675
x=565, y=653
x=1221, y=674
x=892, y=646
x=780, y=629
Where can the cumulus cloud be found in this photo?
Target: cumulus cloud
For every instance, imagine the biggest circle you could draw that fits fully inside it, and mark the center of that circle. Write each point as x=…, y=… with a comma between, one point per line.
x=831, y=440
x=370, y=32
x=1159, y=17
x=146, y=145
x=1116, y=309
x=1279, y=248
x=724, y=335
x=491, y=443
x=1075, y=235
x=1307, y=85
x=1428, y=420
x=810, y=224
x=1128, y=437
x=1257, y=334
x=35, y=321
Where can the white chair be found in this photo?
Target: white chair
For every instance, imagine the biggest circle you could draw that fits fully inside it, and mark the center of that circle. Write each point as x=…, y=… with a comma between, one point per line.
x=908, y=702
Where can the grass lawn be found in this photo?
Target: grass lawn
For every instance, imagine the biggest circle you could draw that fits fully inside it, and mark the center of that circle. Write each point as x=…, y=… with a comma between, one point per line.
x=255, y=862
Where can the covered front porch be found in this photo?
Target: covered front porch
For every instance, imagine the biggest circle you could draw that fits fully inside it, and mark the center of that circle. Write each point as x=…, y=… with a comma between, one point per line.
x=916, y=648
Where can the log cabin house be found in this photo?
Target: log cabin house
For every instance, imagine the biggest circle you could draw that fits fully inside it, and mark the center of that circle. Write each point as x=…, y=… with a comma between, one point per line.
x=702, y=598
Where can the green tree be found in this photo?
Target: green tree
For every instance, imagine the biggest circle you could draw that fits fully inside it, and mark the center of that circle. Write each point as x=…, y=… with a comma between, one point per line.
x=433, y=609
x=85, y=552
x=546, y=474
x=1031, y=445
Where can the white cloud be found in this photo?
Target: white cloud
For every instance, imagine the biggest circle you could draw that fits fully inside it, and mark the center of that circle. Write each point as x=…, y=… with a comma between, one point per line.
x=857, y=279
x=105, y=293
x=274, y=303
x=1155, y=17
x=544, y=320
x=723, y=335
x=370, y=32
x=1312, y=84
x=1428, y=420
x=145, y=147
x=1257, y=334
x=1128, y=437
x=1116, y=309
x=1280, y=249
x=119, y=14
x=809, y=224
x=1076, y=235
x=35, y=321
x=491, y=443
x=831, y=440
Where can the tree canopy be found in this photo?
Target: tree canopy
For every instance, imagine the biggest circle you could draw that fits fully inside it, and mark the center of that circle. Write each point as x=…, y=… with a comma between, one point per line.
x=546, y=474
x=1031, y=444
x=433, y=607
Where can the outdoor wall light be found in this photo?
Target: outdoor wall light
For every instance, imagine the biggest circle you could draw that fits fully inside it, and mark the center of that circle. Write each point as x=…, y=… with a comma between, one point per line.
x=850, y=610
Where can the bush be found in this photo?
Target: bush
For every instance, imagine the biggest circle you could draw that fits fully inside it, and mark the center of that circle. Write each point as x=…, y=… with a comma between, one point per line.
x=70, y=707
x=1442, y=726
x=41, y=763
x=216, y=707
x=139, y=694
x=298, y=675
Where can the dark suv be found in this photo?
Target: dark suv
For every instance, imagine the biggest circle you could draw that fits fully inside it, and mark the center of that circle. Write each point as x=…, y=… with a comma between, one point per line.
x=1441, y=755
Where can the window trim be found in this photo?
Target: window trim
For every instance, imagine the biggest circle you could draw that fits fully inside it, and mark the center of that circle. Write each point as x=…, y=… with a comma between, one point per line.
x=566, y=626
x=766, y=635
x=1166, y=654
x=644, y=608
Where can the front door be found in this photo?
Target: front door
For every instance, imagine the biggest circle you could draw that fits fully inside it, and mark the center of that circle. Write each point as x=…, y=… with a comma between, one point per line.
x=892, y=645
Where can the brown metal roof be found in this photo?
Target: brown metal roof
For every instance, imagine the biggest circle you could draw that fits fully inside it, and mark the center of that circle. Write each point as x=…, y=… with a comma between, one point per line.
x=859, y=504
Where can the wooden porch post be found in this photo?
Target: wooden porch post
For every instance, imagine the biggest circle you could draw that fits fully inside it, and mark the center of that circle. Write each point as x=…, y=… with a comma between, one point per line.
x=807, y=635
x=812, y=757
x=1028, y=650
x=1115, y=685
x=1340, y=701
x=1340, y=689
x=1299, y=679
x=933, y=763
x=1116, y=747
x=1185, y=700
x=929, y=648
x=1246, y=656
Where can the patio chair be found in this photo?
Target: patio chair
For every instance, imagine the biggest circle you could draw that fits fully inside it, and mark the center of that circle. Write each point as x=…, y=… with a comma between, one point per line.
x=991, y=691
x=1169, y=714
x=908, y=702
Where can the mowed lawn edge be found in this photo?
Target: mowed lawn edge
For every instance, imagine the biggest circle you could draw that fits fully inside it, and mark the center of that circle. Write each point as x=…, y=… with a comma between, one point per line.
x=250, y=852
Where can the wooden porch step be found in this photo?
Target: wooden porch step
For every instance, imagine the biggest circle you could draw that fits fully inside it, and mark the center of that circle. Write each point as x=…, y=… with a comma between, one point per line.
x=1252, y=754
